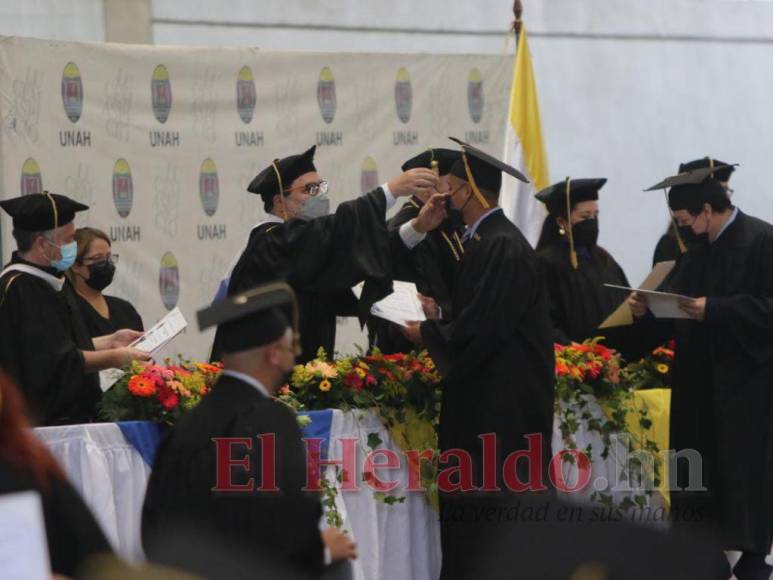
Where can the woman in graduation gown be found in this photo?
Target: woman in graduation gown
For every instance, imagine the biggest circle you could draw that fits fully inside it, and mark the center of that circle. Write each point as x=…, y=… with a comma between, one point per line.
x=575, y=268
x=722, y=401
x=320, y=255
x=92, y=272
x=72, y=532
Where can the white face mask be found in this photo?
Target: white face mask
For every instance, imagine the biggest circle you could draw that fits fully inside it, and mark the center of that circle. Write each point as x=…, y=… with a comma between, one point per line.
x=317, y=206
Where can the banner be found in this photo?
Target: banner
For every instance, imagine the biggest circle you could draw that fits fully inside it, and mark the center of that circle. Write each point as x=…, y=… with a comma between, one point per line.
x=161, y=143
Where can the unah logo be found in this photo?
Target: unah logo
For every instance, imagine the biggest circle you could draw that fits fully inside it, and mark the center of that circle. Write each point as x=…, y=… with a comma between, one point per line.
x=31, y=180
x=209, y=190
x=403, y=95
x=161, y=93
x=169, y=281
x=246, y=97
x=123, y=189
x=475, y=95
x=369, y=176
x=326, y=95
x=72, y=92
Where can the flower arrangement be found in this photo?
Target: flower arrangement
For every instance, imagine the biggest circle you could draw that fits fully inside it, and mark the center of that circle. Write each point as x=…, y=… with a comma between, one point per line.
x=590, y=372
x=653, y=371
x=159, y=393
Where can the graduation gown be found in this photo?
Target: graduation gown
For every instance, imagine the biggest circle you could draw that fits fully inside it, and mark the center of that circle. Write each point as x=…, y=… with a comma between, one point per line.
x=121, y=315
x=41, y=339
x=281, y=526
x=71, y=530
x=432, y=265
x=667, y=249
x=579, y=301
x=722, y=394
x=321, y=259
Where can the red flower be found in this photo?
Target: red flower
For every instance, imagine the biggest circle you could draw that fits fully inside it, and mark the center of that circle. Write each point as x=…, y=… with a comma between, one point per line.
x=671, y=344
x=353, y=381
x=168, y=398
x=398, y=356
x=370, y=380
x=603, y=351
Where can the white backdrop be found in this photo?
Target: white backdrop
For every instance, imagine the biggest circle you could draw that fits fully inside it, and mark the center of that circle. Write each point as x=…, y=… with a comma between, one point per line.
x=154, y=141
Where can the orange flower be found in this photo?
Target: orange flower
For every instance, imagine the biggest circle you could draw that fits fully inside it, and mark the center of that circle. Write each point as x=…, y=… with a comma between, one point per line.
x=562, y=369
x=140, y=386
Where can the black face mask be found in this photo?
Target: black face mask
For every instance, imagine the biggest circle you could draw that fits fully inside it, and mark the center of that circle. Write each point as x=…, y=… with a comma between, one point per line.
x=454, y=216
x=586, y=233
x=690, y=238
x=101, y=275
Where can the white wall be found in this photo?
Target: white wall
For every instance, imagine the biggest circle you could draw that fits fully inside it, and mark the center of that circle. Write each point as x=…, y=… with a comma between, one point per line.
x=53, y=19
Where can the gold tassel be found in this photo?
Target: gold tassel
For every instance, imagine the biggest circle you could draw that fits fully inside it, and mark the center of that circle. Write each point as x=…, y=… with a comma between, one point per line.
x=677, y=235
x=281, y=189
x=473, y=185
x=572, y=253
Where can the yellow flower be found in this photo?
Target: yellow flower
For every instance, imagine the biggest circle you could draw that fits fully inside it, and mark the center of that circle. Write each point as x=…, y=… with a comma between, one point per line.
x=360, y=373
x=662, y=368
x=364, y=366
x=325, y=386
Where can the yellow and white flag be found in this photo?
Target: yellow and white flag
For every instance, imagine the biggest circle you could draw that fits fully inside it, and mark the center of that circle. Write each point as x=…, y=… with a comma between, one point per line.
x=524, y=148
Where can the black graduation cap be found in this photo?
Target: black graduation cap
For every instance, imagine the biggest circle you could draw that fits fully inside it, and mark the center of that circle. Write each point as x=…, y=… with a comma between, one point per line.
x=445, y=159
x=267, y=185
x=39, y=212
x=584, y=189
x=253, y=318
x=486, y=170
x=722, y=170
x=683, y=178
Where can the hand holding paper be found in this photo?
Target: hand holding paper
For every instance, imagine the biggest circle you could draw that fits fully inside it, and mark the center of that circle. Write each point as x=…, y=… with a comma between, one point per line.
x=400, y=307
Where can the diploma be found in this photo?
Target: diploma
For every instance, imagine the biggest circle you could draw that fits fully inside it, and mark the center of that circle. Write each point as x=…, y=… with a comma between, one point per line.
x=623, y=315
x=23, y=545
x=400, y=307
x=662, y=304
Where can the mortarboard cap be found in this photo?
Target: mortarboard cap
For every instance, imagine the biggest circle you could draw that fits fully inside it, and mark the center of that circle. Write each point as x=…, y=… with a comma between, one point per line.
x=722, y=170
x=267, y=184
x=39, y=212
x=445, y=159
x=585, y=189
x=253, y=318
x=482, y=171
x=684, y=178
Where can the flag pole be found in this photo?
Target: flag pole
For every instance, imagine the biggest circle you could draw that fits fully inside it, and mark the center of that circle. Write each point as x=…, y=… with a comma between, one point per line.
x=517, y=23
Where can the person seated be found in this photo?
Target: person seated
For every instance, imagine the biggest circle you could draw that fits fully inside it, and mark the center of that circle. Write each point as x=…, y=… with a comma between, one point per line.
x=190, y=490
x=91, y=273
x=72, y=533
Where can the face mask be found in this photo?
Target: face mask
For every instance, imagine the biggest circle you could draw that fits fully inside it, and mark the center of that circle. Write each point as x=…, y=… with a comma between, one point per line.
x=315, y=207
x=586, y=233
x=454, y=215
x=689, y=236
x=101, y=275
x=69, y=252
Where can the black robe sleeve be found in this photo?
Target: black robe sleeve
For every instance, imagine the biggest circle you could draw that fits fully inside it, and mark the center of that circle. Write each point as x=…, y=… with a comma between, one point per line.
x=38, y=347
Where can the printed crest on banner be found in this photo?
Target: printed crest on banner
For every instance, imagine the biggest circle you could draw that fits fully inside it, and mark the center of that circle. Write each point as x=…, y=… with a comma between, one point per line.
x=31, y=180
x=246, y=97
x=161, y=93
x=475, y=95
x=369, y=176
x=403, y=95
x=209, y=189
x=72, y=92
x=123, y=188
x=326, y=95
x=169, y=281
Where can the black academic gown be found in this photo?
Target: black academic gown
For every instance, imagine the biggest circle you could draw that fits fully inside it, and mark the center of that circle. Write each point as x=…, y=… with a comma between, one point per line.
x=579, y=301
x=72, y=532
x=321, y=259
x=280, y=528
x=667, y=249
x=496, y=358
x=121, y=315
x=41, y=339
x=432, y=265
x=722, y=394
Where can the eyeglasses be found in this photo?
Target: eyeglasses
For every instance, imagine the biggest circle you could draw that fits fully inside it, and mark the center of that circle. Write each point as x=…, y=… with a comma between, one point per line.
x=89, y=260
x=311, y=188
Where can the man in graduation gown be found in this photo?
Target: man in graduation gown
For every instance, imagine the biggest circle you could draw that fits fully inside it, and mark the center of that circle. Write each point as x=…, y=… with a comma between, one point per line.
x=320, y=255
x=668, y=246
x=495, y=355
x=258, y=509
x=44, y=344
x=575, y=268
x=722, y=400
x=432, y=264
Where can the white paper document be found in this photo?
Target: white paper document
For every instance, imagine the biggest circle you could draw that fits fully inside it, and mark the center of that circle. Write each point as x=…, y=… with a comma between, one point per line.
x=662, y=304
x=159, y=335
x=162, y=332
x=23, y=546
x=400, y=307
x=623, y=315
